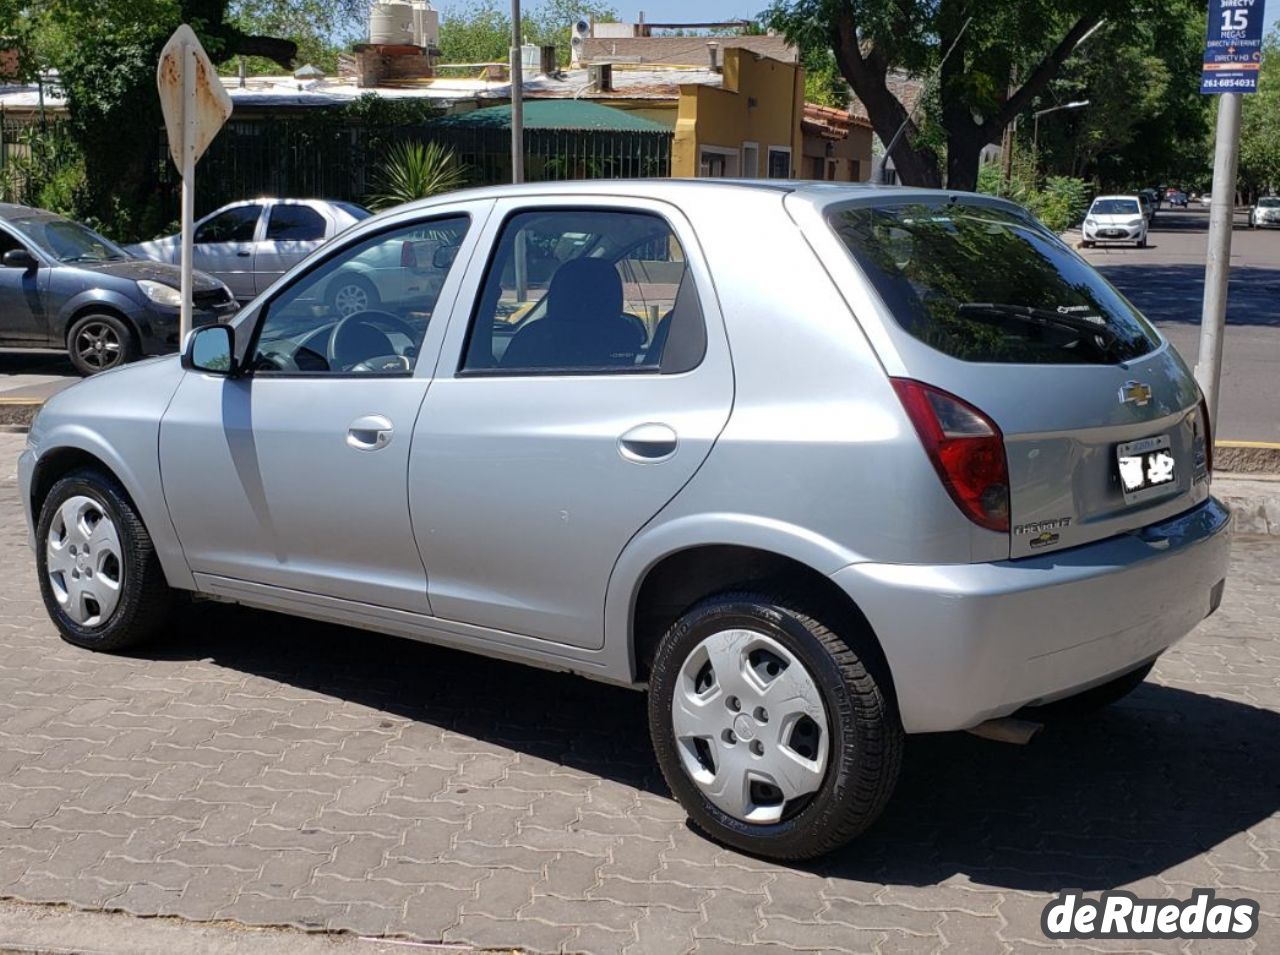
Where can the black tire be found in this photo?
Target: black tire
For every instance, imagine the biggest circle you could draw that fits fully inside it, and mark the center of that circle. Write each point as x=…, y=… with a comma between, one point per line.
x=1090, y=701
x=145, y=599
x=1087, y=244
x=864, y=749
x=342, y=283
x=100, y=341
x=1142, y=243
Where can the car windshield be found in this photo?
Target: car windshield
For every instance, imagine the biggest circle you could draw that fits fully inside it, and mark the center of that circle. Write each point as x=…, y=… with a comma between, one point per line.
x=987, y=283
x=1114, y=207
x=68, y=241
x=1270, y=202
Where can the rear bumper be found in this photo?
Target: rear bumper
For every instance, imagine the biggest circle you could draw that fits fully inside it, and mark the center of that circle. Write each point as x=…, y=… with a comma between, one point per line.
x=970, y=642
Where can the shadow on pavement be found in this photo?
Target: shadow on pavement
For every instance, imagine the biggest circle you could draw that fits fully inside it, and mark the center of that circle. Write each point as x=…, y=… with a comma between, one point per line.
x=1173, y=293
x=1105, y=800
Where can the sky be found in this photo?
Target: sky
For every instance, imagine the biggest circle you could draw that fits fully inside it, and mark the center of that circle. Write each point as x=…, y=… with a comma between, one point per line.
x=674, y=11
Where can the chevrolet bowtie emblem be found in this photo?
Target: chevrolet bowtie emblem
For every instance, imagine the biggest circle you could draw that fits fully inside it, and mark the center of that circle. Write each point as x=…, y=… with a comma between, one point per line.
x=1136, y=392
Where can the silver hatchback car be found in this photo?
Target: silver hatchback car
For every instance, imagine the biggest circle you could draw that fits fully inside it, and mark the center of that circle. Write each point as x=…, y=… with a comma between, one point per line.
x=819, y=466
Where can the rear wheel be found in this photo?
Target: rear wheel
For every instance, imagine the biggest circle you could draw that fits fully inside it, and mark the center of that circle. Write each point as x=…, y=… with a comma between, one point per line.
x=1090, y=701
x=100, y=578
x=351, y=294
x=98, y=342
x=770, y=728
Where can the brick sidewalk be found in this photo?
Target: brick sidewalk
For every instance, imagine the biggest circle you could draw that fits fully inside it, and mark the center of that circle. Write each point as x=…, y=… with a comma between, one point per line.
x=269, y=771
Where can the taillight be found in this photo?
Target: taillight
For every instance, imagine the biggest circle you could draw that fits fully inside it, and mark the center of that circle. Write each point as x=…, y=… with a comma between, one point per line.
x=1206, y=429
x=966, y=448
x=408, y=256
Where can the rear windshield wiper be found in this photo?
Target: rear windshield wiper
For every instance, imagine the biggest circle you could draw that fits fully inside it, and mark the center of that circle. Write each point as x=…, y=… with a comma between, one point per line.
x=1038, y=316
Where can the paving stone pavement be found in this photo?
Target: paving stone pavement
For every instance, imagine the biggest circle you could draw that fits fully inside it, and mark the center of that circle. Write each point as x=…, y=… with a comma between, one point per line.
x=263, y=770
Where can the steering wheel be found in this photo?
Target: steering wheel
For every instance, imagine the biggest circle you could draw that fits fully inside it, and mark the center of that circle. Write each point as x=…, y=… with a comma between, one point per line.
x=358, y=339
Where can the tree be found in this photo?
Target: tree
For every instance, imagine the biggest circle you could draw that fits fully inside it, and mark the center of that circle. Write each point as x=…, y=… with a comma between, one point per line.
x=481, y=31
x=976, y=95
x=1260, y=133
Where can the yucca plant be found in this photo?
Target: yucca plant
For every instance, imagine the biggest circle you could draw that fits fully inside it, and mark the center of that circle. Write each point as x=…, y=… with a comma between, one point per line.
x=414, y=170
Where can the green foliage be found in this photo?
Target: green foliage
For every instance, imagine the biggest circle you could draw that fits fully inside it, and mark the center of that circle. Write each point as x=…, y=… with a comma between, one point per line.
x=480, y=31
x=823, y=83
x=1060, y=203
x=414, y=170
x=319, y=27
x=1260, y=133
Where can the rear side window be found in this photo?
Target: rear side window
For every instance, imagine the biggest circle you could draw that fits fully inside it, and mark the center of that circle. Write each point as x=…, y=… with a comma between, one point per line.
x=586, y=291
x=290, y=223
x=985, y=283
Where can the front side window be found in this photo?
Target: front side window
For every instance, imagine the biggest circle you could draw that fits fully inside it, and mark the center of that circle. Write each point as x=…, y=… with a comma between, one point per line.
x=586, y=291
x=293, y=223
x=365, y=310
x=986, y=283
x=234, y=225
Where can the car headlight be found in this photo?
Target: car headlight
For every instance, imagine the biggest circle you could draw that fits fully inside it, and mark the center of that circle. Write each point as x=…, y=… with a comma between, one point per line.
x=1091, y=223
x=1135, y=222
x=160, y=293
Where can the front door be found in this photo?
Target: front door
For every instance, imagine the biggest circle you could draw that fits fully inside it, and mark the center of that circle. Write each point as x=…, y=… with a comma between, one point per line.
x=588, y=389
x=21, y=298
x=294, y=474
x=294, y=230
x=223, y=246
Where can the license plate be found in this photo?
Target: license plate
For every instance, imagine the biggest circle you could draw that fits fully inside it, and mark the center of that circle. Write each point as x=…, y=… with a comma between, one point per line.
x=1147, y=468
x=1111, y=233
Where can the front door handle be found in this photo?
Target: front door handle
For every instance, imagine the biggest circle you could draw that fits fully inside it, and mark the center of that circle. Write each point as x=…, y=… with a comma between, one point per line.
x=370, y=433
x=648, y=443
x=243, y=253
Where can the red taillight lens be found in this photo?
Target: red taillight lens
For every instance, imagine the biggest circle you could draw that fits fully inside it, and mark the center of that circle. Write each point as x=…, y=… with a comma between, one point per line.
x=1206, y=426
x=966, y=448
x=408, y=256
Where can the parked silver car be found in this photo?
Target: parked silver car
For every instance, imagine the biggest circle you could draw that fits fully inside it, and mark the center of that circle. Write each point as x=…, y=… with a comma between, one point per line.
x=1265, y=213
x=250, y=244
x=908, y=466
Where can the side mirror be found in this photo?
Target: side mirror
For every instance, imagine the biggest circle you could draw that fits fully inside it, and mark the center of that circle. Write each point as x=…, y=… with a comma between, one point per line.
x=443, y=257
x=20, y=259
x=211, y=349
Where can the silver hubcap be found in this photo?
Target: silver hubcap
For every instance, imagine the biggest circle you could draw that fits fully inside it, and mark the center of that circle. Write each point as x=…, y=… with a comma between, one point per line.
x=98, y=345
x=750, y=725
x=351, y=299
x=83, y=561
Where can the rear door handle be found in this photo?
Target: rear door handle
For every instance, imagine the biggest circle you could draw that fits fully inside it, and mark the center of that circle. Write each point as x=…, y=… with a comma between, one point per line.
x=370, y=433
x=648, y=443
x=243, y=254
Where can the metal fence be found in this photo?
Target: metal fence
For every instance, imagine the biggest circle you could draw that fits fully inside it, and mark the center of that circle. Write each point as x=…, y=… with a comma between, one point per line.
x=22, y=142
x=301, y=159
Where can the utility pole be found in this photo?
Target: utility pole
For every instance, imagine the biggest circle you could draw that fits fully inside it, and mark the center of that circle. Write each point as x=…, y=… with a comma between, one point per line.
x=517, y=95
x=1232, y=59
x=1222, y=210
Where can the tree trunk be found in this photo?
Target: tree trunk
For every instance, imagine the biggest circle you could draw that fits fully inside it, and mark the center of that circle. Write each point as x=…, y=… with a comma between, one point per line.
x=963, y=154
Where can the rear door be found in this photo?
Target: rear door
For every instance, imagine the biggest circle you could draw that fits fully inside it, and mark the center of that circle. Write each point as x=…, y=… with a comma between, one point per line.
x=981, y=301
x=293, y=231
x=585, y=391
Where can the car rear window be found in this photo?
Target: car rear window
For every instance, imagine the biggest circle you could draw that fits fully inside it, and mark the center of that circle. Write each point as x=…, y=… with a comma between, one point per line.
x=986, y=283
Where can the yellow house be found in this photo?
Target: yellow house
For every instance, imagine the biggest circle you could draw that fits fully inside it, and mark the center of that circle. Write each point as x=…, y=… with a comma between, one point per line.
x=750, y=126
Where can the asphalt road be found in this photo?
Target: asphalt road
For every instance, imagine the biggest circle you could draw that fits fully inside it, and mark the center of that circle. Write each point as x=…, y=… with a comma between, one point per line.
x=1166, y=281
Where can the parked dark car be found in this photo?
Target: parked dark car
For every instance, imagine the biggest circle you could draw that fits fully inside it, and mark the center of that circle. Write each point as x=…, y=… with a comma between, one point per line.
x=63, y=285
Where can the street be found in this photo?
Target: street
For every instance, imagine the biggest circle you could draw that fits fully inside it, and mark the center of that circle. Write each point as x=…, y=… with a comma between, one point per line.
x=1166, y=282
x=272, y=771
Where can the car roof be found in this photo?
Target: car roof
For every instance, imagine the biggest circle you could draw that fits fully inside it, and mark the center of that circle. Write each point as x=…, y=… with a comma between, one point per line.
x=1132, y=196
x=820, y=193
x=11, y=210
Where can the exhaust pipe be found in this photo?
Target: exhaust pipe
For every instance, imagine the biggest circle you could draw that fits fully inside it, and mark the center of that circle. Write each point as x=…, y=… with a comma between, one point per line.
x=1007, y=730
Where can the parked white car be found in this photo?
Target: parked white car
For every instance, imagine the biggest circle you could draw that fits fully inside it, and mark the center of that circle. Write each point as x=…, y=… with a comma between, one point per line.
x=1115, y=219
x=1266, y=214
x=248, y=245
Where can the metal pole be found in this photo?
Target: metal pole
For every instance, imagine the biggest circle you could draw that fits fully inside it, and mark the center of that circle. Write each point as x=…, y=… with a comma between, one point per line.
x=1222, y=209
x=188, y=188
x=517, y=96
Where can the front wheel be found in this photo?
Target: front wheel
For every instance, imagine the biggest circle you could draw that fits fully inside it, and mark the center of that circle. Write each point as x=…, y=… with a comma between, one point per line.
x=100, y=578
x=1142, y=243
x=774, y=732
x=99, y=342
